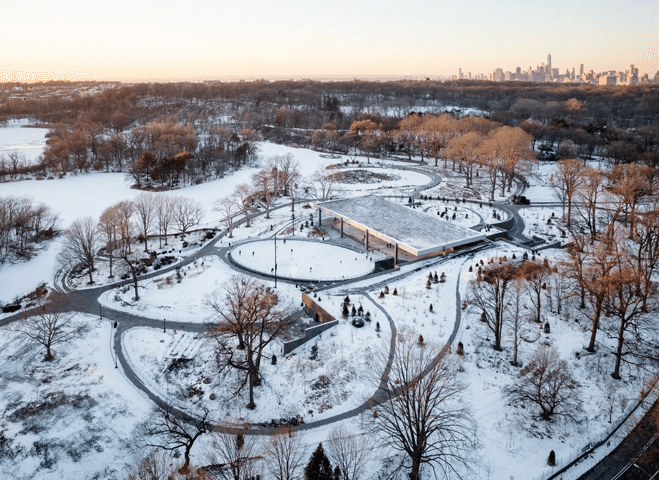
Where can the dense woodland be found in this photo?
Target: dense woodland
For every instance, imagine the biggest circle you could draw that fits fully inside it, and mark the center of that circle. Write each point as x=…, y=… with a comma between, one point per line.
x=179, y=133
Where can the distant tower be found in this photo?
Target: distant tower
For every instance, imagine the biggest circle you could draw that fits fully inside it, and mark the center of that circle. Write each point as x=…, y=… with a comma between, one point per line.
x=581, y=70
x=460, y=74
x=549, y=62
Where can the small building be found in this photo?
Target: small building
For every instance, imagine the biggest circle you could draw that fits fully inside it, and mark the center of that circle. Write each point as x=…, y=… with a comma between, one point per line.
x=403, y=227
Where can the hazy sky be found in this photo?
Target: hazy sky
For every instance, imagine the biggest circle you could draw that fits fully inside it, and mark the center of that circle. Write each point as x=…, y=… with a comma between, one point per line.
x=204, y=39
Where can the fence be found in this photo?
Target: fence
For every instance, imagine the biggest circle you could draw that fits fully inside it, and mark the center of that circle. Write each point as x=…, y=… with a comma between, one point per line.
x=576, y=456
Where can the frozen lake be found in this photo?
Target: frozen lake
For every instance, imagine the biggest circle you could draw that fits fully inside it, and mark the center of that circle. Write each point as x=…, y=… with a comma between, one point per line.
x=18, y=137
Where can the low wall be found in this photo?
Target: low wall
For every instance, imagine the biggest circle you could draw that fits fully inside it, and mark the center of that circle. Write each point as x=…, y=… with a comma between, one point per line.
x=322, y=316
x=309, y=333
x=315, y=311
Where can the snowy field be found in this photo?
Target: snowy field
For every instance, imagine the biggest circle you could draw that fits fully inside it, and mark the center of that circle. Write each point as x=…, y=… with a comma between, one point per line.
x=74, y=417
x=69, y=418
x=168, y=296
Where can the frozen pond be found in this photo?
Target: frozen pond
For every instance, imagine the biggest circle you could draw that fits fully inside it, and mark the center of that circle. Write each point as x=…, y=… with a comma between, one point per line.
x=17, y=137
x=303, y=260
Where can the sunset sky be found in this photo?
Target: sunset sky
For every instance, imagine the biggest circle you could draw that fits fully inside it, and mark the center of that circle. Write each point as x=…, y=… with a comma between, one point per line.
x=133, y=40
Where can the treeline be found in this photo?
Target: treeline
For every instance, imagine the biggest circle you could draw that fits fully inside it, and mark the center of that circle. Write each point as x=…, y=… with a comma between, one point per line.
x=309, y=104
x=168, y=134
x=161, y=154
x=23, y=224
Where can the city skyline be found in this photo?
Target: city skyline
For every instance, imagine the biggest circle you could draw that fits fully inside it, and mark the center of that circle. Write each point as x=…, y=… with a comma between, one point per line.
x=200, y=39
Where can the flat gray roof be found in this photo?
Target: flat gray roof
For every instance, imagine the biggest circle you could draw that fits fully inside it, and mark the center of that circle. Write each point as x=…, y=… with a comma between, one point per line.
x=413, y=230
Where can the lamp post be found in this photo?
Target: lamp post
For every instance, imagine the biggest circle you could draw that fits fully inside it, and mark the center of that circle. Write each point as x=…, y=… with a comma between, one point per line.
x=164, y=330
x=293, y=190
x=113, y=327
x=275, y=259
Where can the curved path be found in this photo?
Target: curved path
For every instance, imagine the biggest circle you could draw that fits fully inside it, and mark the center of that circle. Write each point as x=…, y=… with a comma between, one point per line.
x=86, y=300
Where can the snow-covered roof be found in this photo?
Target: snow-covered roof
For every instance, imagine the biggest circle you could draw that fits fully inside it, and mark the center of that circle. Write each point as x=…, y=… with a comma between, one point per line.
x=413, y=230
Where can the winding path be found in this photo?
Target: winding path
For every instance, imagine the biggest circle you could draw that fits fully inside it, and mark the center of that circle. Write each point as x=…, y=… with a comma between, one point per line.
x=86, y=300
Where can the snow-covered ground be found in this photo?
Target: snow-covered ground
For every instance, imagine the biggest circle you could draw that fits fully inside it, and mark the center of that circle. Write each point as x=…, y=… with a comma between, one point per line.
x=303, y=260
x=69, y=418
x=18, y=137
x=77, y=196
x=74, y=417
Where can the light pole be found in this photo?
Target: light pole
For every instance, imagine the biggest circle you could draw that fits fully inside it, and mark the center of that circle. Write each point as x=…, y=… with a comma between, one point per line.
x=113, y=327
x=164, y=330
x=100, y=312
x=275, y=259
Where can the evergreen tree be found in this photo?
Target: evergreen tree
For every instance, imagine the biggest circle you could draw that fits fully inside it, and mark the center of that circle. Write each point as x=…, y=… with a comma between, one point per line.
x=319, y=467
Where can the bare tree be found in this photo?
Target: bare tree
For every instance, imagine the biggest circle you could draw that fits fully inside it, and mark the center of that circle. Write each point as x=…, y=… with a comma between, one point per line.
x=237, y=455
x=132, y=264
x=632, y=183
x=535, y=275
x=108, y=226
x=646, y=238
x=267, y=186
x=288, y=171
x=250, y=314
x=227, y=206
x=596, y=281
x=321, y=184
x=548, y=383
x=490, y=292
x=566, y=181
x=166, y=432
x=463, y=150
x=421, y=413
x=627, y=300
x=164, y=216
x=81, y=241
x=186, y=213
x=144, y=207
x=588, y=195
x=284, y=453
x=347, y=452
x=48, y=324
x=519, y=321
x=243, y=194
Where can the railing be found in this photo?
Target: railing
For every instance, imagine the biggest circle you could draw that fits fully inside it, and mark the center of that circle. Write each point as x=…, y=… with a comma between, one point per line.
x=562, y=464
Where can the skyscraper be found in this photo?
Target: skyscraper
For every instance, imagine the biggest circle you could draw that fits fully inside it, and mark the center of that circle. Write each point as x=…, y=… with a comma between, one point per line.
x=549, y=63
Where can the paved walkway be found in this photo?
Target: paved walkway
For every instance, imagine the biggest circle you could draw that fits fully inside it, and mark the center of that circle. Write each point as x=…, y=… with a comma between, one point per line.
x=86, y=300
